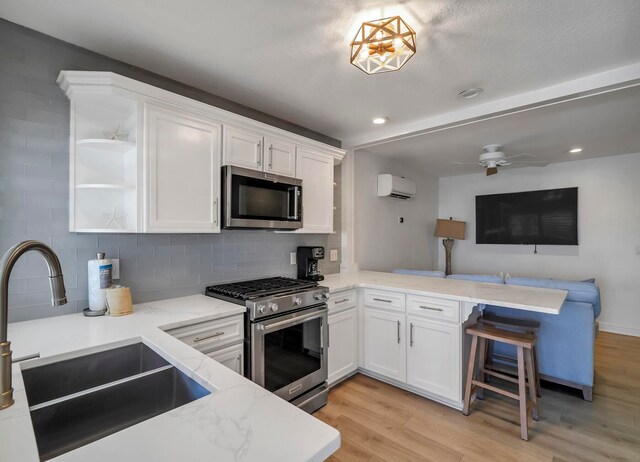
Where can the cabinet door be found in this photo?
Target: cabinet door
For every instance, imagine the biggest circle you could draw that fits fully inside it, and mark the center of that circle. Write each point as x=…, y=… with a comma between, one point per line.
x=433, y=357
x=343, y=353
x=242, y=148
x=231, y=357
x=279, y=157
x=316, y=172
x=182, y=161
x=384, y=344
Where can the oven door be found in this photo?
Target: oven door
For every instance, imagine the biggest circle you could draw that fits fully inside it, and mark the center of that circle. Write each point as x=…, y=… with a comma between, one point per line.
x=260, y=200
x=289, y=353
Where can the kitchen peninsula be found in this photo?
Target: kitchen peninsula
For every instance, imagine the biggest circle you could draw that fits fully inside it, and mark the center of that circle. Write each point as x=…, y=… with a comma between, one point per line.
x=237, y=420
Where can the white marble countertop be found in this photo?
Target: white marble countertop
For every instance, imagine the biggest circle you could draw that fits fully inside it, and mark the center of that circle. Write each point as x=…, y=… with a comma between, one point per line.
x=519, y=297
x=238, y=421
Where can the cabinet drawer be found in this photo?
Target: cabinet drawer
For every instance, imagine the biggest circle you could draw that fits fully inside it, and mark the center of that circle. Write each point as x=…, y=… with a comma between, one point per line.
x=435, y=308
x=209, y=334
x=382, y=299
x=341, y=301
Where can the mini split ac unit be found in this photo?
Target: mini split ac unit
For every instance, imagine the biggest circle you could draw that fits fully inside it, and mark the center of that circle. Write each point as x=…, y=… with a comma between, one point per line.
x=395, y=186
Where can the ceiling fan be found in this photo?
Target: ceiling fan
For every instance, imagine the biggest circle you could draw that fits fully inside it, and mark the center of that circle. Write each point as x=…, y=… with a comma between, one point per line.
x=492, y=157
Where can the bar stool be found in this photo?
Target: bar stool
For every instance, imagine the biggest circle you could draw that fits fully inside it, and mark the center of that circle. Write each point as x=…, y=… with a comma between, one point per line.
x=524, y=343
x=518, y=325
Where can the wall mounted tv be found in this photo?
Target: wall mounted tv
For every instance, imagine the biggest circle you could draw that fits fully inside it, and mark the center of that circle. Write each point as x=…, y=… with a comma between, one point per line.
x=548, y=217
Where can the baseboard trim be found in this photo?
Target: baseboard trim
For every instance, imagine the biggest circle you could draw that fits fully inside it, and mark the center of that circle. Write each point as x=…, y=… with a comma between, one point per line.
x=618, y=329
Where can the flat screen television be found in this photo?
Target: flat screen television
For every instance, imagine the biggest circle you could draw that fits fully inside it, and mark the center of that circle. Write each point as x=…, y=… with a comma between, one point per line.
x=547, y=217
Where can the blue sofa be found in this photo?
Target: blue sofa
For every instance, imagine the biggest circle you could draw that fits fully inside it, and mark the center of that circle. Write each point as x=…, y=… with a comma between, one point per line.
x=431, y=274
x=566, y=341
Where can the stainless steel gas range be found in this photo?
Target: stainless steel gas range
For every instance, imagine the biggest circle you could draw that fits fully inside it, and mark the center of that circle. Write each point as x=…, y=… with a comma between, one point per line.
x=286, y=336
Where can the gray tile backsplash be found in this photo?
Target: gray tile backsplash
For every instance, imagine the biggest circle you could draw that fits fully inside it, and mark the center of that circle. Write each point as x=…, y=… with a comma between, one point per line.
x=34, y=146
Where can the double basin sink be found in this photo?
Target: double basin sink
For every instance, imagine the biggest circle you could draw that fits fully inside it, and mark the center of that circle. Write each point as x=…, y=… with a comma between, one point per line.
x=76, y=401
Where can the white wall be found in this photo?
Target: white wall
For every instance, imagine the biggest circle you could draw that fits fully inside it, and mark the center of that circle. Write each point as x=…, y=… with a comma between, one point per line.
x=608, y=230
x=381, y=243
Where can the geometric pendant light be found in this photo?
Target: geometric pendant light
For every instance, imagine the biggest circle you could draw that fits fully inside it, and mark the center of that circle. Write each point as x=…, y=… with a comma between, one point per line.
x=383, y=45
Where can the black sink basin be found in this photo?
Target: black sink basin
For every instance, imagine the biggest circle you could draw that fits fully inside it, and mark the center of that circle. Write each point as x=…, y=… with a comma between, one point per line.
x=93, y=402
x=62, y=378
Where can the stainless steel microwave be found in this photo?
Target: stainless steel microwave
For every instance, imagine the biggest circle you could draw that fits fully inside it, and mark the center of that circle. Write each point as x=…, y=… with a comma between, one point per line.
x=260, y=200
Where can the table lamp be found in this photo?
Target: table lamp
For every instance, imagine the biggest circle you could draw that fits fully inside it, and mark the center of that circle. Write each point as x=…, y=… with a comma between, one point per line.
x=449, y=229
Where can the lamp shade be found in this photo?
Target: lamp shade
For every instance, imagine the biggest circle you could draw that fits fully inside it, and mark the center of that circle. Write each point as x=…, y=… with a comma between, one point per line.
x=451, y=229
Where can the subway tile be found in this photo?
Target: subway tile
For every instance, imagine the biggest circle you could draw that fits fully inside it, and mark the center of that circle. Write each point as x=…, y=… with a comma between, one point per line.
x=171, y=250
x=153, y=239
x=17, y=315
x=46, y=117
x=149, y=263
x=48, y=311
x=25, y=157
x=12, y=140
x=184, y=239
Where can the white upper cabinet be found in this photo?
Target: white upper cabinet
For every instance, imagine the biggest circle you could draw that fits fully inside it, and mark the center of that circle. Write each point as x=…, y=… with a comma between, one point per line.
x=242, y=148
x=146, y=160
x=279, y=157
x=316, y=172
x=182, y=155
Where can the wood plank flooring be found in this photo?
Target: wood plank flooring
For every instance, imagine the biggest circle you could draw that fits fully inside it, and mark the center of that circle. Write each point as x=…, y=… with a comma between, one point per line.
x=379, y=422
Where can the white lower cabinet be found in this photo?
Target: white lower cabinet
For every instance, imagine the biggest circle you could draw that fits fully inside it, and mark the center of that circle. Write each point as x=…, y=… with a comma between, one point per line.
x=385, y=343
x=231, y=357
x=433, y=357
x=343, y=345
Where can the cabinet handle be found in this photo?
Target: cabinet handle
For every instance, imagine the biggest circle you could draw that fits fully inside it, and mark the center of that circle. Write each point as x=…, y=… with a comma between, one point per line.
x=200, y=339
x=215, y=211
x=259, y=154
x=341, y=301
x=430, y=308
x=398, y=332
x=382, y=300
x=270, y=156
x=411, y=334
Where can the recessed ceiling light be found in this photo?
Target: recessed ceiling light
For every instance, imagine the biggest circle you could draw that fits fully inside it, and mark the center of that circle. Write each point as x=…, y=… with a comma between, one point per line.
x=575, y=150
x=470, y=93
x=379, y=120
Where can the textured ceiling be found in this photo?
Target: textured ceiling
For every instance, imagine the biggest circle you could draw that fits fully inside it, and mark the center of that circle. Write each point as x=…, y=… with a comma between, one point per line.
x=603, y=125
x=290, y=58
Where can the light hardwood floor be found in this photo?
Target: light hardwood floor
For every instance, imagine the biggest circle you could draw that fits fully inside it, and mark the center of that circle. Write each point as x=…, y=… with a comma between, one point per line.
x=379, y=422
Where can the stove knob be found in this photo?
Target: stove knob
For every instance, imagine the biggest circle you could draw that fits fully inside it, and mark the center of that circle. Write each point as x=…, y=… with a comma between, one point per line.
x=273, y=306
x=297, y=301
x=317, y=296
x=325, y=295
x=262, y=309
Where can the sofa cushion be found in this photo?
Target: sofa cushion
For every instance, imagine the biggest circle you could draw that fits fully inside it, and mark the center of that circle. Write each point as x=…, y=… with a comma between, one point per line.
x=431, y=274
x=586, y=292
x=478, y=278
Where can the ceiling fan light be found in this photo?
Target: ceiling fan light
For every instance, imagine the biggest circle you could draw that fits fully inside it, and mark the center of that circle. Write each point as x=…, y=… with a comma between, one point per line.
x=492, y=171
x=388, y=42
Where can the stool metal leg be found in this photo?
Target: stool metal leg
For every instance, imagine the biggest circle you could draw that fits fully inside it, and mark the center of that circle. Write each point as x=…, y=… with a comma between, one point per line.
x=470, y=373
x=522, y=393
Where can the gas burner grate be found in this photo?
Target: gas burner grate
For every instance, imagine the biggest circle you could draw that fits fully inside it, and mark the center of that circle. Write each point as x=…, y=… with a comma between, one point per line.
x=246, y=290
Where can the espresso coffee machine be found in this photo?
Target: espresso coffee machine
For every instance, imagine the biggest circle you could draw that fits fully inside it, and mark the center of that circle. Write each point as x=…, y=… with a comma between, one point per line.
x=308, y=263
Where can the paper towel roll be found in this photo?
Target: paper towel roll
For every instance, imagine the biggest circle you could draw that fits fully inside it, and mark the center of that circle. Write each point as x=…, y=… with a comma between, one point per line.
x=99, y=278
x=119, y=301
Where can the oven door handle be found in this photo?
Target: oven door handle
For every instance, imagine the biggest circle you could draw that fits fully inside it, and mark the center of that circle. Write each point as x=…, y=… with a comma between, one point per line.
x=292, y=321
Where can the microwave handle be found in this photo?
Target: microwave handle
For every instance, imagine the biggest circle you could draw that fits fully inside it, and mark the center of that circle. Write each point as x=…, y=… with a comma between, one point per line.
x=296, y=198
